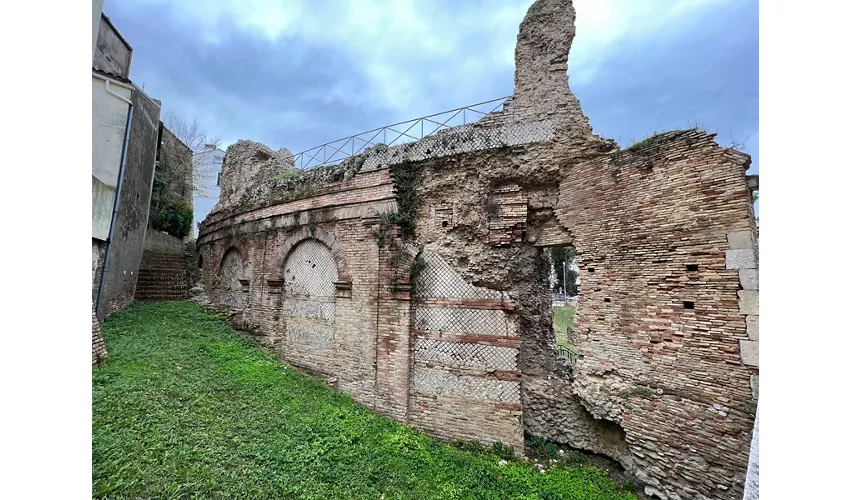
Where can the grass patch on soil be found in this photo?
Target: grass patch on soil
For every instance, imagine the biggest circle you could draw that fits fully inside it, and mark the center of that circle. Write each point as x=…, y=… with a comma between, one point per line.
x=187, y=408
x=563, y=320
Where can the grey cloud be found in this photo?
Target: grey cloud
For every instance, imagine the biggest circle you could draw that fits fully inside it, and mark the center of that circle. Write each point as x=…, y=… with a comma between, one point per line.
x=705, y=72
x=283, y=93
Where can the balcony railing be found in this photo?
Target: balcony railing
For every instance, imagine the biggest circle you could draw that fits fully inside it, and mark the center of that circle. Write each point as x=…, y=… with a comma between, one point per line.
x=331, y=153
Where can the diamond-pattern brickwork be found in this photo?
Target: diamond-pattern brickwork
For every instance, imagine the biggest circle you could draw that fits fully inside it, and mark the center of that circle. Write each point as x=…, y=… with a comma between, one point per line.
x=309, y=306
x=465, y=355
x=440, y=382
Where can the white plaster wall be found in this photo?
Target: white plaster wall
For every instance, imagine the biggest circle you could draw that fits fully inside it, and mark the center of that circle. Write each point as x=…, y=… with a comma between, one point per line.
x=102, y=204
x=94, y=261
x=109, y=122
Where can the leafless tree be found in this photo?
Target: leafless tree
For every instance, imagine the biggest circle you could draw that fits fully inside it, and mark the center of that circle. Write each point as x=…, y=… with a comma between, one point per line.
x=197, y=139
x=738, y=143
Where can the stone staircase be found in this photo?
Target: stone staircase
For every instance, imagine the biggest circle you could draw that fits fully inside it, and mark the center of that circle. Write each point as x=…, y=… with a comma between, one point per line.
x=162, y=277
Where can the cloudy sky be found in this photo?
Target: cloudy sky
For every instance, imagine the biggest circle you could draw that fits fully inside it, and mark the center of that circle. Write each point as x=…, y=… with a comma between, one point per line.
x=298, y=73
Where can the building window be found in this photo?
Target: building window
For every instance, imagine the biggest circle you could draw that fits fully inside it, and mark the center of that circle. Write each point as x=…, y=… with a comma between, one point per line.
x=218, y=179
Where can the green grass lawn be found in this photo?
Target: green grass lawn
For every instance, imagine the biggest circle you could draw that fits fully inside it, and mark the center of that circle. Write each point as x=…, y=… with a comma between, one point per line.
x=563, y=320
x=187, y=408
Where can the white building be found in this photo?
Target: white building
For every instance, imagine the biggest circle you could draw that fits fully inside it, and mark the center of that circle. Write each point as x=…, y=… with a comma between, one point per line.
x=209, y=167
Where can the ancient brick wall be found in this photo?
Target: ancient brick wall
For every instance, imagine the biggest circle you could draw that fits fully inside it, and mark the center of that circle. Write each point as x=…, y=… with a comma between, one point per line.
x=660, y=325
x=415, y=278
x=466, y=380
x=98, y=348
x=322, y=319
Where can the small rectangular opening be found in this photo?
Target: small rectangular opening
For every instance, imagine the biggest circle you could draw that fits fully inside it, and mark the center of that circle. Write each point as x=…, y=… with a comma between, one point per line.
x=688, y=304
x=692, y=267
x=607, y=300
x=591, y=269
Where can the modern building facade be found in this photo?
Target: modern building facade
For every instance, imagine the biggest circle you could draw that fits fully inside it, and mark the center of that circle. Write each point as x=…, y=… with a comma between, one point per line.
x=208, y=162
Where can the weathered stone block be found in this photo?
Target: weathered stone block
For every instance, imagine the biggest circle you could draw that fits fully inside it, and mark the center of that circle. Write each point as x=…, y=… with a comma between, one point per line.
x=754, y=385
x=740, y=240
x=750, y=352
x=748, y=301
x=749, y=279
x=753, y=327
x=741, y=259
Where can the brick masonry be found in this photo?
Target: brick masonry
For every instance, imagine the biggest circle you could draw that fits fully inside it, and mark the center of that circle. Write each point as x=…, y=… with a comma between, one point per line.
x=98, y=348
x=666, y=378
x=162, y=277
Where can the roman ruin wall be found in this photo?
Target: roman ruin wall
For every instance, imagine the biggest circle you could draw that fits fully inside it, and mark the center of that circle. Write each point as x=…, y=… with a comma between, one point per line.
x=414, y=278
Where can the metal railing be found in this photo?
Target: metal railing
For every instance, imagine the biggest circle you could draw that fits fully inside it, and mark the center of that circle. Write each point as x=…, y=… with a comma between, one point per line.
x=568, y=354
x=331, y=153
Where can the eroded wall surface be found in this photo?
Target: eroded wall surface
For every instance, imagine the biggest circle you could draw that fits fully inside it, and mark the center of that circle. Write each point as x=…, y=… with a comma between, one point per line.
x=415, y=278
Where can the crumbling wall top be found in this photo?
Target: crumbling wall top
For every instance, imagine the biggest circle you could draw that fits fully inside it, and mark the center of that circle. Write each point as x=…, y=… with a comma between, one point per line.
x=247, y=169
x=541, y=87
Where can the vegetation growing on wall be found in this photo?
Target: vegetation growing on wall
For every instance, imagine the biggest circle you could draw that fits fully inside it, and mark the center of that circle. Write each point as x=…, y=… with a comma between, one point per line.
x=169, y=213
x=171, y=193
x=406, y=183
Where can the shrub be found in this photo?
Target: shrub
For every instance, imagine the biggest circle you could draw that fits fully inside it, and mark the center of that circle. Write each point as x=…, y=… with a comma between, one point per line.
x=504, y=451
x=542, y=449
x=175, y=220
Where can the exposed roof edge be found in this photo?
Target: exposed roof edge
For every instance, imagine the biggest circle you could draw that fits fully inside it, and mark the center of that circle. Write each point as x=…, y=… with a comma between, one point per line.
x=112, y=76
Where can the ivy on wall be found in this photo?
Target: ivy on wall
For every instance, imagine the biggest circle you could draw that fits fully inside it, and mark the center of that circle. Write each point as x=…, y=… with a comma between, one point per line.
x=172, y=216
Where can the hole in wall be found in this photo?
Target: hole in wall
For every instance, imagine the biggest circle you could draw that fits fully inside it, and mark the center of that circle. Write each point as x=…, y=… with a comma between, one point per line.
x=591, y=269
x=564, y=282
x=445, y=223
x=688, y=304
x=692, y=267
x=607, y=299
